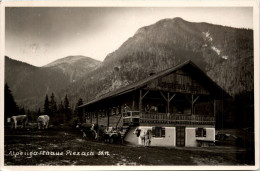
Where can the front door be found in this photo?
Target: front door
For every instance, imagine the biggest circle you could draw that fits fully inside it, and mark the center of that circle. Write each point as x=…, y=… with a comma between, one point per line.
x=180, y=136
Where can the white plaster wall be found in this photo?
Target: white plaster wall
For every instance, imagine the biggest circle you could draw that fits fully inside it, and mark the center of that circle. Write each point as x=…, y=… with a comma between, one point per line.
x=210, y=133
x=168, y=140
x=190, y=136
x=131, y=138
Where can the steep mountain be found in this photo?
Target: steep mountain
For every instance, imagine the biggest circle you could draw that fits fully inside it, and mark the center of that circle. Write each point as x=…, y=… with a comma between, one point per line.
x=30, y=84
x=74, y=66
x=224, y=53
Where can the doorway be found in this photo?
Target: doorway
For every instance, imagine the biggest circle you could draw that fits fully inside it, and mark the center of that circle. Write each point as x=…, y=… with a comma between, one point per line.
x=180, y=136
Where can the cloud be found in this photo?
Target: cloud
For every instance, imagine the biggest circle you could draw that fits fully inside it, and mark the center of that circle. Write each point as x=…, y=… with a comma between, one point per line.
x=42, y=35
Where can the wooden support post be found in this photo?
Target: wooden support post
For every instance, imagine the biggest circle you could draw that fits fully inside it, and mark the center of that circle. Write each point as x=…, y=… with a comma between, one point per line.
x=196, y=99
x=145, y=94
x=192, y=104
x=193, y=101
x=172, y=97
x=97, y=116
x=214, y=107
x=108, y=117
x=119, y=109
x=133, y=102
x=84, y=114
x=140, y=101
x=90, y=118
x=168, y=102
x=163, y=96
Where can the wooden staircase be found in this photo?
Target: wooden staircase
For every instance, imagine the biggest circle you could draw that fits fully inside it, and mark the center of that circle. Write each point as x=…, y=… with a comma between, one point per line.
x=125, y=131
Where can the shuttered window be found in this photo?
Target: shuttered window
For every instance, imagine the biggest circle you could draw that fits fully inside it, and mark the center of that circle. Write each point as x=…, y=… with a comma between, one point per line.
x=153, y=131
x=163, y=132
x=201, y=132
x=158, y=132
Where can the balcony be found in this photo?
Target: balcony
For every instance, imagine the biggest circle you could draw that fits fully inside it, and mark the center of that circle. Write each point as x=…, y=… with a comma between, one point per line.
x=177, y=119
x=163, y=118
x=131, y=118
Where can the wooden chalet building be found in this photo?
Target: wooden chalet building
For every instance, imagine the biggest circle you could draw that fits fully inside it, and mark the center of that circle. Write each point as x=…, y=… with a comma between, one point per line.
x=177, y=104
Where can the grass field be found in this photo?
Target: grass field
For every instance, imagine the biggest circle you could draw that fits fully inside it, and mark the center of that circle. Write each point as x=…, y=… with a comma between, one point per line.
x=70, y=148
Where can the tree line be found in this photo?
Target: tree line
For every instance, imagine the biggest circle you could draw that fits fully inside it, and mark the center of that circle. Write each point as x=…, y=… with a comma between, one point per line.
x=59, y=113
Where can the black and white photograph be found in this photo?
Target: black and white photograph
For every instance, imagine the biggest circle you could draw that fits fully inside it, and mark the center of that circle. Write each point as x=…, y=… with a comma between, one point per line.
x=128, y=86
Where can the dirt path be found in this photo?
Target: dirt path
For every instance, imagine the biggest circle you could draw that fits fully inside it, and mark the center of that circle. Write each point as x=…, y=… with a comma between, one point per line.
x=68, y=147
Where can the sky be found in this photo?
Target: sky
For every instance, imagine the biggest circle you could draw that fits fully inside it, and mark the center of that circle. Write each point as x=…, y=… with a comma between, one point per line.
x=40, y=35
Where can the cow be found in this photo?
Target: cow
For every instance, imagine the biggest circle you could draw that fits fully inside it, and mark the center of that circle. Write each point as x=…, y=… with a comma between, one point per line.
x=145, y=136
x=43, y=121
x=19, y=119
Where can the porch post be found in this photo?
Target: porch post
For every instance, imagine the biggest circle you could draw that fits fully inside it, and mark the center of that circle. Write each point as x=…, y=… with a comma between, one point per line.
x=97, y=116
x=90, y=118
x=86, y=117
x=140, y=101
x=133, y=102
x=192, y=104
x=168, y=102
x=84, y=114
x=107, y=117
x=119, y=109
x=214, y=107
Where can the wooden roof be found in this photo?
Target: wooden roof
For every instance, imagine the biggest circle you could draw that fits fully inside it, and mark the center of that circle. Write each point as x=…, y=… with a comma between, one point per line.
x=189, y=66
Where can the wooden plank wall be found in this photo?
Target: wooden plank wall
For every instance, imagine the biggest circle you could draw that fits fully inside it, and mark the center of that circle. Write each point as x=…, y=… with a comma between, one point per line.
x=179, y=81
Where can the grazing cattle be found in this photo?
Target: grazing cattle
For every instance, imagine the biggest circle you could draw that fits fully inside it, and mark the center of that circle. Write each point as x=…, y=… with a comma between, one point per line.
x=43, y=121
x=20, y=119
x=144, y=135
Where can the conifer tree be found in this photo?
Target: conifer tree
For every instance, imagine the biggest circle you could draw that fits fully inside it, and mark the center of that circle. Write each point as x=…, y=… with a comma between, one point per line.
x=79, y=111
x=61, y=107
x=39, y=112
x=53, y=106
x=46, y=109
x=10, y=106
x=67, y=108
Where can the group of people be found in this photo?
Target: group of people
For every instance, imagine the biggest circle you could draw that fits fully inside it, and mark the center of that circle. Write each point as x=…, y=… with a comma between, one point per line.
x=103, y=133
x=144, y=135
x=150, y=108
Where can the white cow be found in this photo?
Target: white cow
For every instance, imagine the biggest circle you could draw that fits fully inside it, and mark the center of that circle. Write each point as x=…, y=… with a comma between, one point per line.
x=21, y=119
x=43, y=121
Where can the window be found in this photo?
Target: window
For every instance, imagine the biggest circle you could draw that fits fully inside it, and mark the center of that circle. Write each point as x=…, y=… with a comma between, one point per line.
x=200, y=132
x=158, y=132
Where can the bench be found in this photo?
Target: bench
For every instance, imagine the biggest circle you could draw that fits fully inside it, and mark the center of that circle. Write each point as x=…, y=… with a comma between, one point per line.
x=205, y=142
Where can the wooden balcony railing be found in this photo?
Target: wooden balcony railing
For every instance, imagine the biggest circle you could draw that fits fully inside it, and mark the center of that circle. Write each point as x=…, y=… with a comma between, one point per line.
x=177, y=119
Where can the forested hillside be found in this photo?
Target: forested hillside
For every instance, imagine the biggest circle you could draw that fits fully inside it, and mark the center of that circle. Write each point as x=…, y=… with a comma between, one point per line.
x=224, y=53
x=30, y=84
